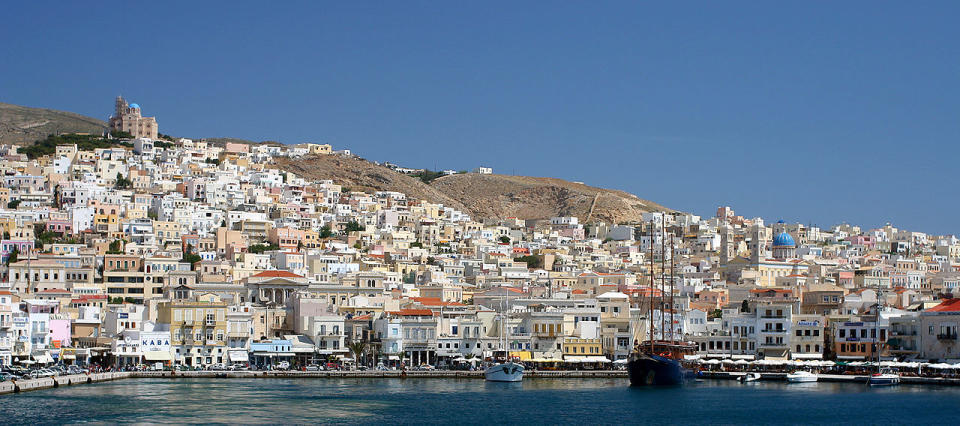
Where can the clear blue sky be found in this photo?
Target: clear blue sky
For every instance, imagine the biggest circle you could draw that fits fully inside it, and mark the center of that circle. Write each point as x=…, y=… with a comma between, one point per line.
x=818, y=112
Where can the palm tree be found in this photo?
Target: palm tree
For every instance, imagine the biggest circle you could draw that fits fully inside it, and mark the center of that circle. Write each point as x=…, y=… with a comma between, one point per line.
x=357, y=348
x=400, y=356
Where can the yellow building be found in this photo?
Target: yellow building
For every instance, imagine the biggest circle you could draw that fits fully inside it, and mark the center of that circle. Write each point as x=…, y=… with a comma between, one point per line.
x=573, y=346
x=198, y=329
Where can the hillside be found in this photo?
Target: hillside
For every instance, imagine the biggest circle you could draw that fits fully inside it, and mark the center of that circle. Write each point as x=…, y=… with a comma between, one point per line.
x=483, y=196
x=21, y=125
x=540, y=198
x=362, y=175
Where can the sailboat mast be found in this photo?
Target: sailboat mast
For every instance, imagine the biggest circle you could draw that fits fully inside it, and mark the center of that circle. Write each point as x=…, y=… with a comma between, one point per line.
x=663, y=277
x=650, y=305
x=672, y=278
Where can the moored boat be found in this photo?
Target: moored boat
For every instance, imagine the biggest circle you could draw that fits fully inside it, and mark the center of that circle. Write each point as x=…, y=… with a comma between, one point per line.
x=801, y=377
x=504, y=372
x=885, y=377
x=749, y=377
x=661, y=366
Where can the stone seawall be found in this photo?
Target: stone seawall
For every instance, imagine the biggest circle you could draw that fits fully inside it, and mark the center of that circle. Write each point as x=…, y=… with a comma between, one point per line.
x=15, y=386
x=837, y=378
x=372, y=374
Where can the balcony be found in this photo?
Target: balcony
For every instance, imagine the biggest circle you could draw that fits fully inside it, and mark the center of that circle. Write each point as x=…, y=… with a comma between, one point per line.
x=211, y=323
x=238, y=334
x=903, y=333
x=947, y=337
x=773, y=345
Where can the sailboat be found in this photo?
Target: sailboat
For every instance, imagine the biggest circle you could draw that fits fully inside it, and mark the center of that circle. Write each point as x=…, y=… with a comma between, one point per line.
x=506, y=371
x=657, y=362
x=883, y=376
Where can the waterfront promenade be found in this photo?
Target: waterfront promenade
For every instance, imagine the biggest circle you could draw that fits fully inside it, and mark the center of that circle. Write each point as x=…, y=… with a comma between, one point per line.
x=79, y=379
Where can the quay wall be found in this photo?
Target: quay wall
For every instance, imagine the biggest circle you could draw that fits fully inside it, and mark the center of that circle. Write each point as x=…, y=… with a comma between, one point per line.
x=372, y=374
x=841, y=378
x=15, y=386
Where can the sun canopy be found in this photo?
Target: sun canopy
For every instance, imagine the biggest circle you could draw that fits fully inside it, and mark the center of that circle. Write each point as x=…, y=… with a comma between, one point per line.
x=157, y=356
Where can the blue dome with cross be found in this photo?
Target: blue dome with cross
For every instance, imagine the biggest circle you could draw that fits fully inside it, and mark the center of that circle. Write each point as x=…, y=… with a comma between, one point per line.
x=137, y=106
x=783, y=239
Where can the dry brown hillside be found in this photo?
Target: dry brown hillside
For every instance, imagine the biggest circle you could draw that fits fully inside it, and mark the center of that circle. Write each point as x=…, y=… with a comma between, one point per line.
x=362, y=175
x=541, y=198
x=483, y=196
x=21, y=125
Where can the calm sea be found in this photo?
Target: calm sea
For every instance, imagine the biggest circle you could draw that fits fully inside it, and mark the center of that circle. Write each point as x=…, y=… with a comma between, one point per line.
x=472, y=401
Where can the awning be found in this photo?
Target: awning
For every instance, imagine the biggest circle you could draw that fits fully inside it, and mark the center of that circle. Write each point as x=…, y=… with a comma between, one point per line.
x=68, y=356
x=43, y=358
x=157, y=356
x=268, y=354
x=238, y=356
x=586, y=359
x=806, y=356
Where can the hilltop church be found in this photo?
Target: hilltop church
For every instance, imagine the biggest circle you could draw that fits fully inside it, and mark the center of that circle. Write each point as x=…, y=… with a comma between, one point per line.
x=127, y=118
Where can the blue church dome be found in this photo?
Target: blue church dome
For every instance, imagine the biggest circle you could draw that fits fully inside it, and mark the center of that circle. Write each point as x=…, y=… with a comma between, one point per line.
x=137, y=106
x=783, y=239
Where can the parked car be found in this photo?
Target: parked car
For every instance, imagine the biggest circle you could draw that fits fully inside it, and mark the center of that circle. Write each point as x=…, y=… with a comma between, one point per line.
x=238, y=367
x=313, y=367
x=283, y=365
x=332, y=366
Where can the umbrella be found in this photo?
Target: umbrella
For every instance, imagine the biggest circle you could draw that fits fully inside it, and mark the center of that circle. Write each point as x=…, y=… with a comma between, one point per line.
x=729, y=361
x=741, y=362
x=620, y=361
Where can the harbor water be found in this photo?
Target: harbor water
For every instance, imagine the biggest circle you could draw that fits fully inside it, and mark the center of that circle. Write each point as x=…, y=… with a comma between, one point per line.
x=472, y=401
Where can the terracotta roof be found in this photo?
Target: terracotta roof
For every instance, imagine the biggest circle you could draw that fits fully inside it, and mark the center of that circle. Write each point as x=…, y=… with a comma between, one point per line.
x=434, y=301
x=948, y=305
x=277, y=274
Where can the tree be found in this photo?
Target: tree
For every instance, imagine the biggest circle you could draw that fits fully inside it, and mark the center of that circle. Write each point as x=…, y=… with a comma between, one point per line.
x=116, y=247
x=13, y=204
x=190, y=257
x=122, y=182
x=14, y=254
x=260, y=248
x=352, y=226
x=400, y=356
x=357, y=348
x=533, y=262
x=357, y=246
x=717, y=313
x=325, y=232
x=505, y=239
x=120, y=134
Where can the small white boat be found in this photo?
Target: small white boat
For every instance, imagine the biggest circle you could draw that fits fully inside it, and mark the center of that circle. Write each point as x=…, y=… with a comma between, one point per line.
x=749, y=377
x=885, y=377
x=801, y=377
x=504, y=372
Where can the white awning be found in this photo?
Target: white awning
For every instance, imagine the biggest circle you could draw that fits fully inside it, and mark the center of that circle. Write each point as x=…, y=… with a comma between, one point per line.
x=586, y=359
x=238, y=356
x=806, y=356
x=157, y=356
x=43, y=358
